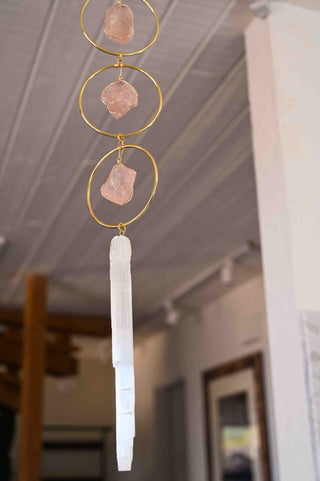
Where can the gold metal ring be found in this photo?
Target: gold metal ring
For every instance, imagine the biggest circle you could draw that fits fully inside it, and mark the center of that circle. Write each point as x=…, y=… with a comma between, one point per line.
x=145, y=208
x=116, y=65
x=110, y=52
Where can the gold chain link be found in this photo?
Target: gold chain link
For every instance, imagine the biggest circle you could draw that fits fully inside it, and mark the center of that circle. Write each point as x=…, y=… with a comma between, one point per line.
x=122, y=228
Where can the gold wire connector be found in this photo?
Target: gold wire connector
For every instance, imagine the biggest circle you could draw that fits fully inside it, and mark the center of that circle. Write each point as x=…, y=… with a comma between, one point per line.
x=122, y=228
x=120, y=154
x=121, y=140
x=120, y=63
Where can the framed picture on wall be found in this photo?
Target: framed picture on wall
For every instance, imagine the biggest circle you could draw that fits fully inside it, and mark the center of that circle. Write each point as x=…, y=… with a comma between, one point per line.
x=236, y=421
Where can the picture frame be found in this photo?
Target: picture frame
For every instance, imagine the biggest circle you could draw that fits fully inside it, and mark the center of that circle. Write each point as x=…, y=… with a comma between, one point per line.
x=236, y=426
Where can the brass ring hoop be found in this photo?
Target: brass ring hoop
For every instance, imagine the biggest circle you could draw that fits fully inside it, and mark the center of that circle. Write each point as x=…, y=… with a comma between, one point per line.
x=110, y=52
x=117, y=65
x=145, y=208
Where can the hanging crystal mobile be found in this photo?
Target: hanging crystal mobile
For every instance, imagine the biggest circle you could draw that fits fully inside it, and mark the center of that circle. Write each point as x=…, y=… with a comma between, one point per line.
x=120, y=97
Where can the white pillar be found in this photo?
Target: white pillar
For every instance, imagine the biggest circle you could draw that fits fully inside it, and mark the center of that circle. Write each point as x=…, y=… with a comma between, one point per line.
x=283, y=61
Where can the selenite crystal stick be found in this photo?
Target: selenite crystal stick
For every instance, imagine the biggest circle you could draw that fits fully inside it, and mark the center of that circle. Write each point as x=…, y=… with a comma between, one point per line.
x=122, y=348
x=119, y=97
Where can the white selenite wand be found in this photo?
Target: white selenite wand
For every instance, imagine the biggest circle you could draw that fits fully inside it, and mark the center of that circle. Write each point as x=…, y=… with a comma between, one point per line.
x=122, y=348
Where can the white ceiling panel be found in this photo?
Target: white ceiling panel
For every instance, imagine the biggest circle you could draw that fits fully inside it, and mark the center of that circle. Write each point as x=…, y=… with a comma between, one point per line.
x=206, y=201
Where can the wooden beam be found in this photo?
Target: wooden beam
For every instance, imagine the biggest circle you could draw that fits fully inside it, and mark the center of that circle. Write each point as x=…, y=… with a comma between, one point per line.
x=10, y=353
x=10, y=390
x=34, y=356
x=59, y=361
x=59, y=343
x=79, y=325
x=90, y=326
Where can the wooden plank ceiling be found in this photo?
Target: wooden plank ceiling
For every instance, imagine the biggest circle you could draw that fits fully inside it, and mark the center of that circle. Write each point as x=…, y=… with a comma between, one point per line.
x=206, y=202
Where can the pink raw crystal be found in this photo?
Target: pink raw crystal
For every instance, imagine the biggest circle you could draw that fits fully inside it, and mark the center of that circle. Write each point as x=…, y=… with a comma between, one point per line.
x=119, y=23
x=118, y=187
x=119, y=97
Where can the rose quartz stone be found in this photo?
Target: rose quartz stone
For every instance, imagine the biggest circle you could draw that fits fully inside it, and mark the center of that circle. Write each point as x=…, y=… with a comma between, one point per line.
x=118, y=187
x=119, y=97
x=119, y=23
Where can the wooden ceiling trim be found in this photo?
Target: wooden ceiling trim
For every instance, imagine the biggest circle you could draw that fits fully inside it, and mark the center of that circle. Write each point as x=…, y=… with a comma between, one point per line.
x=58, y=363
x=10, y=391
x=90, y=326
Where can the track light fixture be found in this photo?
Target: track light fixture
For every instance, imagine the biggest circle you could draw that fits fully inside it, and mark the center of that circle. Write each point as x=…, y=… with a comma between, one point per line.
x=172, y=314
x=227, y=272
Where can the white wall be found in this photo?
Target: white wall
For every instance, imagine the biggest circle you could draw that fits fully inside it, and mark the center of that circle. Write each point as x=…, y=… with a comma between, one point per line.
x=86, y=399
x=283, y=55
x=231, y=327
x=89, y=400
x=294, y=35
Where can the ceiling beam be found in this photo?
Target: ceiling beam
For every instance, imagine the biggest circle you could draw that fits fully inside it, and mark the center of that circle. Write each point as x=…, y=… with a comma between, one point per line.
x=59, y=361
x=10, y=391
x=62, y=323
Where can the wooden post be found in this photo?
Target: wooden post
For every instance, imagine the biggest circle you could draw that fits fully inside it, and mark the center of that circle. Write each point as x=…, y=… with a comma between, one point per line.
x=33, y=364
